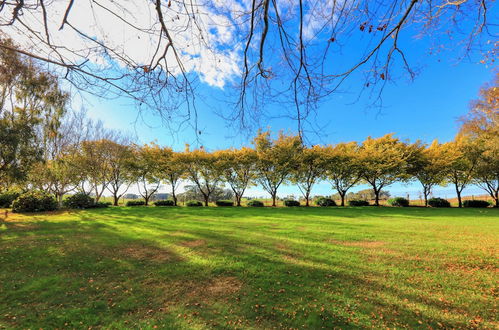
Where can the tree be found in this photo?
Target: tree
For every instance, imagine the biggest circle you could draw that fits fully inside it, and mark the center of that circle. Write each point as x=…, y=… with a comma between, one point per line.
x=310, y=169
x=144, y=169
x=238, y=168
x=384, y=160
x=203, y=171
x=281, y=51
x=119, y=175
x=31, y=107
x=343, y=168
x=482, y=126
x=276, y=160
x=94, y=162
x=462, y=160
x=430, y=166
x=171, y=169
x=58, y=176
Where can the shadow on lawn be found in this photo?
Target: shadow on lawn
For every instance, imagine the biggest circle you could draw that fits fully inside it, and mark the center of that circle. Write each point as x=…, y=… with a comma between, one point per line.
x=77, y=273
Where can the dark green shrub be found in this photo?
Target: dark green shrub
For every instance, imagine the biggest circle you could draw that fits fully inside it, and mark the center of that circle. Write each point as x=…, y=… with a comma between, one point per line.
x=438, y=202
x=193, y=203
x=224, y=203
x=34, y=201
x=101, y=205
x=6, y=198
x=476, y=203
x=398, y=201
x=135, y=203
x=78, y=201
x=164, y=203
x=323, y=201
x=291, y=203
x=358, y=203
x=255, y=203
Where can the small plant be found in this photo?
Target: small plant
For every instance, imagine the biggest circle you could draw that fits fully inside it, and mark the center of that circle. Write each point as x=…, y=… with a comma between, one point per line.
x=476, y=203
x=136, y=203
x=291, y=203
x=438, y=202
x=358, y=202
x=79, y=201
x=398, y=201
x=164, y=203
x=324, y=202
x=193, y=203
x=6, y=198
x=255, y=203
x=224, y=203
x=34, y=201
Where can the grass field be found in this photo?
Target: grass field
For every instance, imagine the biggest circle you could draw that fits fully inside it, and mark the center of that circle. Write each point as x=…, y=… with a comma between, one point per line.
x=250, y=268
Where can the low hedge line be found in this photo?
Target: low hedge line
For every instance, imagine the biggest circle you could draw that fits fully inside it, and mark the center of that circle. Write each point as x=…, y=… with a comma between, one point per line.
x=168, y=202
x=358, y=203
x=476, y=203
x=255, y=203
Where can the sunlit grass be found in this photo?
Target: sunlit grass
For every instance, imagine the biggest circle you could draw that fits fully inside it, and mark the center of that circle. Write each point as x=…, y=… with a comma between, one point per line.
x=250, y=268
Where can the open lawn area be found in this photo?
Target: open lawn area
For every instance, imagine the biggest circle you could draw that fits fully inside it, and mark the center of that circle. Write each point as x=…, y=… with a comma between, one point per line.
x=149, y=267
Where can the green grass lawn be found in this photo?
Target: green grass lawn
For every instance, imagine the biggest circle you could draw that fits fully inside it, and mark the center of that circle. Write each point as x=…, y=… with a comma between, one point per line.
x=250, y=268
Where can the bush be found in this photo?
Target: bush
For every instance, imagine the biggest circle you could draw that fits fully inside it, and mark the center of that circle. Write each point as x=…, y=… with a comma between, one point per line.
x=101, y=205
x=34, y=201
x=398, y=201
x=224, y=203
x=193, y=203
x=7, y=198
x=358, y=202
x=164, y=203
x=291, y=203
x=476, y=203
x=438, y=202
x=79, y=201
x=255, y=203
x=135, y=203
x=323, y=201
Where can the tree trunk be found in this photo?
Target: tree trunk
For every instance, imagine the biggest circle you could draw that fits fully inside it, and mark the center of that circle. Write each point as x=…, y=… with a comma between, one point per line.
x=173, y=195
x=206, y=200
x=376, y=196
x=116, y=199
x=274, y=197
x=307, y=199
x=59, y=199
x=147, y=199
x=238, y=200
x=342, y=195
x=460, y=203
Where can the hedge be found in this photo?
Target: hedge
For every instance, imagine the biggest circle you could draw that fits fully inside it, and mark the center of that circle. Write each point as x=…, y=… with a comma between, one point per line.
x=291, y=203
x=438, y=202
x=34, y=201
x=224, y=203
x=476, y=203
x=358, y=203
x=164, y=203
x=255, y=203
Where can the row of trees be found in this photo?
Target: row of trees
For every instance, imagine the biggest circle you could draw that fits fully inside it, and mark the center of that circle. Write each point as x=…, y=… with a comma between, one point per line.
x=44, y=146
x=99, y=165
